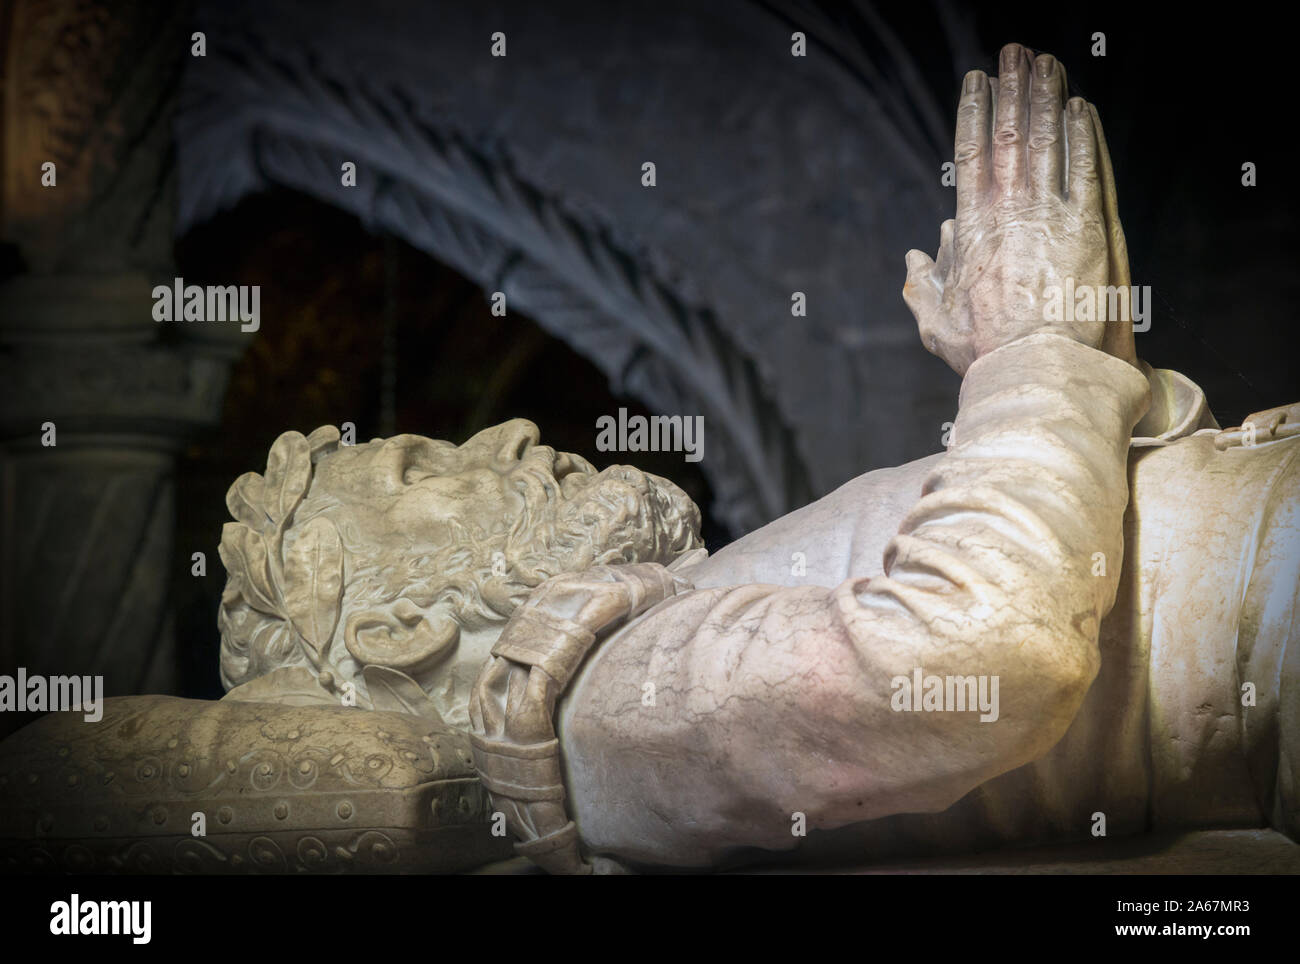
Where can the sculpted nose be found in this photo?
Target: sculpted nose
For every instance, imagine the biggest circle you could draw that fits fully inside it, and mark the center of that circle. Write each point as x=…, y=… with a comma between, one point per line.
x=514, y=438
x=392, y=457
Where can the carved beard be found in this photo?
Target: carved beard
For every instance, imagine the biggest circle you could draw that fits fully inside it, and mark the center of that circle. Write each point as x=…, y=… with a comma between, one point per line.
x=568, y=524
x=570, y=520
x=572, y=517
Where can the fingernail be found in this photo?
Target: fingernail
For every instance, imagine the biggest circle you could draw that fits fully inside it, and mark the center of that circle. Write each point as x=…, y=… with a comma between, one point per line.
x=1010, y=57
x=1045, y=64
x=1075, y=105
x=974, y=81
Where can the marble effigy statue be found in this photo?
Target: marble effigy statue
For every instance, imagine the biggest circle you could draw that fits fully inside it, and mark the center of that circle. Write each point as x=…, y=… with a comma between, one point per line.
x=437, y=655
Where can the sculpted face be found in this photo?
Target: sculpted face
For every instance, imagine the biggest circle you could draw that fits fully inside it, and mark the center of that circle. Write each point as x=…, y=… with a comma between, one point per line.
x=420, y=488
x=438, y=544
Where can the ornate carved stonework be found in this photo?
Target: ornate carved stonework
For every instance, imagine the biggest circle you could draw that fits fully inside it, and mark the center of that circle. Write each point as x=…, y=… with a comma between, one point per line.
x=280, y=789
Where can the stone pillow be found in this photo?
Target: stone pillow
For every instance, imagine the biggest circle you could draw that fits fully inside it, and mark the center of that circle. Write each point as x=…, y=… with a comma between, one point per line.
x=273, y=788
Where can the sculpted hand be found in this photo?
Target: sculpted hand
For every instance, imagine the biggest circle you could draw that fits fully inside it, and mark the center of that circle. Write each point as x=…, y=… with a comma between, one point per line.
x=512, y=708
x=1035, y=206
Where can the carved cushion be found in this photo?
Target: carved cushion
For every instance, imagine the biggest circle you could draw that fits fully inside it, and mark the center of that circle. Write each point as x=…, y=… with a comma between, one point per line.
x=280, y=789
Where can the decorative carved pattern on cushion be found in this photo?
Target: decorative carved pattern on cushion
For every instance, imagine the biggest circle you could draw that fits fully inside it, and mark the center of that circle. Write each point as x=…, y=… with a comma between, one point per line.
x=283, y=789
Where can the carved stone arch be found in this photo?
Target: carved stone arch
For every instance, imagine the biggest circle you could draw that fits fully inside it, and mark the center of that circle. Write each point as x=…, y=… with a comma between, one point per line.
x=808, y=175
x=463, y=201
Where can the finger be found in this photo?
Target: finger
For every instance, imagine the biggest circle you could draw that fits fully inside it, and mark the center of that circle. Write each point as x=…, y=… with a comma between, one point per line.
x=1119, y=269
x=1046, y=151
x=924, y=296
x=1119, y=339
x=972, y=144
x=542, y=817
x=475, y=712
x=490, y=688
x=1011, y=119
x=1081, y=178
x=943, y=262
x=518, y=818
x=921, y=290
x=533, y=720
x=516, y=693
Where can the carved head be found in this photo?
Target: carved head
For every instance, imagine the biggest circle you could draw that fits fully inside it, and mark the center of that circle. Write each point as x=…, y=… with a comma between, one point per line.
x=410, y=553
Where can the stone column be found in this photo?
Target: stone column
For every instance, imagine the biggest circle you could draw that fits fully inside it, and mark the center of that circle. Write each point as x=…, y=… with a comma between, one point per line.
x=86, y=523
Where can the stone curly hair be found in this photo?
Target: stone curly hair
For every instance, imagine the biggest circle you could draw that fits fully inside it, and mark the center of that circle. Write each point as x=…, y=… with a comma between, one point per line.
x=299, y=570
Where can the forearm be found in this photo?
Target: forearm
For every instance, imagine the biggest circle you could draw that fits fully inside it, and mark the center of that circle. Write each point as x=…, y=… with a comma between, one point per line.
x=710, y=721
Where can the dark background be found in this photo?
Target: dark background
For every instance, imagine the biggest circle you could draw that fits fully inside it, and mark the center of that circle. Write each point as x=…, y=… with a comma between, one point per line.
x=1185, y=99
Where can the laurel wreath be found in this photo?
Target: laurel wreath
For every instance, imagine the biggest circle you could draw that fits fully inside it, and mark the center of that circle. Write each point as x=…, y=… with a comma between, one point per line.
x=302, y=584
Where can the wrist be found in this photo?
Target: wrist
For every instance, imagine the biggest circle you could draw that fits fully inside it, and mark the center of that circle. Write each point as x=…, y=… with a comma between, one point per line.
x=1054, y=359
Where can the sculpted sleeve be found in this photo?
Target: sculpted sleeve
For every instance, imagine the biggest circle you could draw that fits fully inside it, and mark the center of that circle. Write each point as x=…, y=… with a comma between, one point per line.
x=723, y=718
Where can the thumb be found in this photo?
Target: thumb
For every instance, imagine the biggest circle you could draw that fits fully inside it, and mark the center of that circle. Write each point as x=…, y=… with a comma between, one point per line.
x=922, y=290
